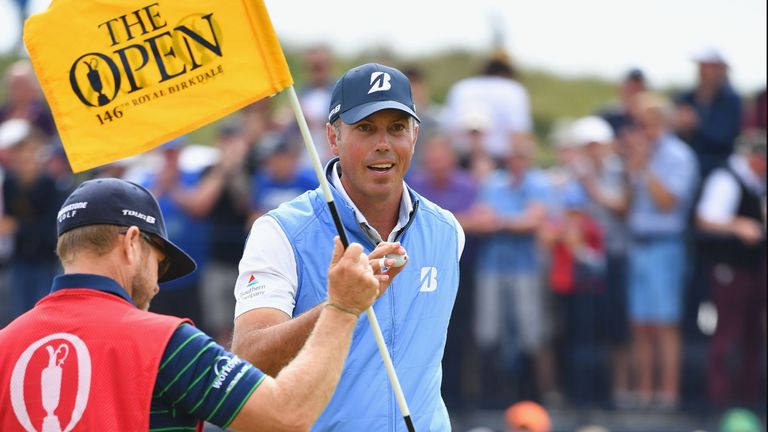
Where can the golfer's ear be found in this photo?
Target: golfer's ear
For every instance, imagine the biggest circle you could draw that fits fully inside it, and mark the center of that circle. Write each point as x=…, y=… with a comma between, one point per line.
x=333, y=138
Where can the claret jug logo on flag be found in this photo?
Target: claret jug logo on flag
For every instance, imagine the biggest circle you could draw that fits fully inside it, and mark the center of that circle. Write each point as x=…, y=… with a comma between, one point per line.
x=123, y=76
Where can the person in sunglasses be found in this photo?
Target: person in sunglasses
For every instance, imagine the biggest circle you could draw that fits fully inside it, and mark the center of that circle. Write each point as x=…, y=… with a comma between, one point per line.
x=89, y=356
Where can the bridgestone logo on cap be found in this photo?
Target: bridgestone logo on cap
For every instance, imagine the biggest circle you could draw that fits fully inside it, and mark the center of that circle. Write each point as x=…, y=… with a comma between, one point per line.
x=73, y=206
x=334, y=111
x=142, y=216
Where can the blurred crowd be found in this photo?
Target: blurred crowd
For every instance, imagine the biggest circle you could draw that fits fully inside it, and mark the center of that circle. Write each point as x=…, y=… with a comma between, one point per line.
x=629, y=273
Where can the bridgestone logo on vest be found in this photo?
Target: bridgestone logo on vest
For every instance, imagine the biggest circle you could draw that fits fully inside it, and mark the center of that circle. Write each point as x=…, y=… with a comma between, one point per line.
x=149, y=219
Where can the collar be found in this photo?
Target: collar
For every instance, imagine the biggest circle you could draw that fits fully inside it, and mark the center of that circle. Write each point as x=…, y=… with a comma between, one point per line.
x=404, y=214
x=90, y=281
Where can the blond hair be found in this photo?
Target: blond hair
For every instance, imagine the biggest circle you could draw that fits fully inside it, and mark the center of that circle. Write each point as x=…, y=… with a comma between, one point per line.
x=656, y=103
x=95, y=239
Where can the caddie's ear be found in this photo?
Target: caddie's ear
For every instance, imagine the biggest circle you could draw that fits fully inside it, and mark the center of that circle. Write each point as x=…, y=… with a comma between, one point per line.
x=130, y=243
x=333, y=138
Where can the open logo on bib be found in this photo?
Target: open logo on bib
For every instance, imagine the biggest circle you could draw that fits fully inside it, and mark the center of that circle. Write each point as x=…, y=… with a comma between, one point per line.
x=50, y=383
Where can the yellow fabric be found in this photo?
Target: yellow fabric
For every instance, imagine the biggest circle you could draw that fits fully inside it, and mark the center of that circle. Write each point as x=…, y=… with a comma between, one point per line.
x=124, y=76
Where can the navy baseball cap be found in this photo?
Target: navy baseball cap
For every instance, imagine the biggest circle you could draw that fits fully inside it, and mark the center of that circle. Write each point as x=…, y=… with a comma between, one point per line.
x=112, y=201
x=367, y=89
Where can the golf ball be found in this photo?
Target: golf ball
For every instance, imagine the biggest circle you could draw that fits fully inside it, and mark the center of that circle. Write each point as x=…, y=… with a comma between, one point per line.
x=399, y=259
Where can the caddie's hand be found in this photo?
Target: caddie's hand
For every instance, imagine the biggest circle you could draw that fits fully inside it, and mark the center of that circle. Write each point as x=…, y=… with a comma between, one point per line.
x=351, y=283
x=387, y=261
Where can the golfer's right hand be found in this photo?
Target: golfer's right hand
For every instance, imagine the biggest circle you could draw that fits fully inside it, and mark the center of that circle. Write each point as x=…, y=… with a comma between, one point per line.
x=351, y=283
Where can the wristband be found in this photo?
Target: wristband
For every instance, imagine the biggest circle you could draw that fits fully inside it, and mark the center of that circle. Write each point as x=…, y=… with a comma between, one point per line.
x=343, y=309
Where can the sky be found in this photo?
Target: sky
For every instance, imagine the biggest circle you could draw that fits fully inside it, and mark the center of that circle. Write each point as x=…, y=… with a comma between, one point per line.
x=601, y=38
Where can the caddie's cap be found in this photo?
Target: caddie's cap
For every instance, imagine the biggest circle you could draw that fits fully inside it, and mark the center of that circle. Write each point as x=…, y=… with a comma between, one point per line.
x=367, y=89
x=112, y=201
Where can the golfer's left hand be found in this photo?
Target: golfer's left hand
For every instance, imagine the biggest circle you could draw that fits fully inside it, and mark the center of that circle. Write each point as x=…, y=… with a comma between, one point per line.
x=384, y=269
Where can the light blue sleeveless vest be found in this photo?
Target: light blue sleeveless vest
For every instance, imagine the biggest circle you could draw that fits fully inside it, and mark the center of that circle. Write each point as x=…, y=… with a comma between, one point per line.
x=413, y=313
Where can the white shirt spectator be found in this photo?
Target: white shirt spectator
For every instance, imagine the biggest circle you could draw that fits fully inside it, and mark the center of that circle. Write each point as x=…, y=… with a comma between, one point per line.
x=721, y=194
x=505, y=100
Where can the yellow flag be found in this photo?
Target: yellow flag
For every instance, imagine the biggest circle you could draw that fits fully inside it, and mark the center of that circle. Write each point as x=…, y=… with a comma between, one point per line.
x=124, y=76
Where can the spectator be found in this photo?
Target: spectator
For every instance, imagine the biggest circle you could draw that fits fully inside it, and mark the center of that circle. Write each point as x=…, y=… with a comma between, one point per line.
x=732, y=212
x=169, y=184
x=663, y=175
x=426, y=108
x=222, y=196
x=756, y=115
x=315, y=95
x=474, y=123
x=281, y=178
x=30, y=202
x=439, y=178
x=256, y=123
x=510, y=308
x=617, y=113
x=575, y=244
x=709, y=116
x=601, y=174
x=496, y=90
x=25, y=100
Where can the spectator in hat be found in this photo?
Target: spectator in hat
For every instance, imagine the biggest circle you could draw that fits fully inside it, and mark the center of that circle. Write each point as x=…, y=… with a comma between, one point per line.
x=731, y=213
x=709, y=116
x=601, y=174
x=372, y=128
x=90, y=356
x=473, y=126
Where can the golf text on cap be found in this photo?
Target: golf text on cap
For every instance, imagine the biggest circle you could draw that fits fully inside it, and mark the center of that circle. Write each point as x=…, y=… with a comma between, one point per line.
x=380, y=82
x=142, y=216
x=70, y=210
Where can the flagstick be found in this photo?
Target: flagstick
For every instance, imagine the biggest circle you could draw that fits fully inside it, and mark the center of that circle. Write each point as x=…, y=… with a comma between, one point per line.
x=294, y=101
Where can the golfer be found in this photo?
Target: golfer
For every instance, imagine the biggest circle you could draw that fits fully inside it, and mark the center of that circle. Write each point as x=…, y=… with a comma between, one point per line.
x=372, y=130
